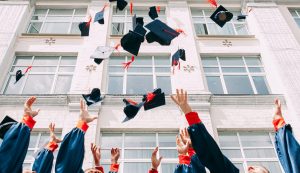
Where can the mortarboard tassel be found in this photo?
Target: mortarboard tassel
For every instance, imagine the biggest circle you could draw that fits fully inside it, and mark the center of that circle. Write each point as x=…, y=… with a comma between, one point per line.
x=158, y=9
x=27, y=69
x=117, y=47
x=131, y=7
x=180, y=31
x=131, y=102
x=170, y=32
x=150, y=97
x=105, y=5
x=89, y=22
x=213, y=3
x=127, y=64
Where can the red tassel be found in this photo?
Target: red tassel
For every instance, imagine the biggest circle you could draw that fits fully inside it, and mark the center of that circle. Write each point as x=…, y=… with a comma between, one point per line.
x=127, y=64
x=213, y=3
x=117, y=47
x=158, y=9
x=131, y=7
x=89, y=22
x=180, y=31
x=150, y=97
x=27, y=69
x=105, y=5
x=169, y=32
x=132, y=102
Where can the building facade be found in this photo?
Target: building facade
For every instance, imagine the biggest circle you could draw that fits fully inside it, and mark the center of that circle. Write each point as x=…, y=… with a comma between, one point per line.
x=232, y=74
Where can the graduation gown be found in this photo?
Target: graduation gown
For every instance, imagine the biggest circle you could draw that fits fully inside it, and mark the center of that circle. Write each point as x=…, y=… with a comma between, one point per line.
x=206, y=148
x=14, y=146
x=44, y=160
x=288, y=149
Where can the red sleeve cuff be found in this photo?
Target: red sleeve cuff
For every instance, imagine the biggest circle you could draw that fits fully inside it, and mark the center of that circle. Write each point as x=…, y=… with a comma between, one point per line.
x=29, y=121
x=278, y=123
x=100, y=168
x=192, y=118
x=184, y=159
x=153, y=171
x=52, y=146
x=191, y=152
x=82, y=125
x=114, y=167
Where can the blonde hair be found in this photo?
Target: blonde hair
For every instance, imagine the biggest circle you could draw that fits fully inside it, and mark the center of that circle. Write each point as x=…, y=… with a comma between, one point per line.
x=92, y=170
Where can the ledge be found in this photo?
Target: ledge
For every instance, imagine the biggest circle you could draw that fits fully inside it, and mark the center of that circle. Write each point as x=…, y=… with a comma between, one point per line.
x=225, y=36
x=28, y=35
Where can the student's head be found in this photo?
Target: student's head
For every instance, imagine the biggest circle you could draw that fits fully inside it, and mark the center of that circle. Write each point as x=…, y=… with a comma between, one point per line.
x=92, y=170
x=28, y=171
x=257, y=169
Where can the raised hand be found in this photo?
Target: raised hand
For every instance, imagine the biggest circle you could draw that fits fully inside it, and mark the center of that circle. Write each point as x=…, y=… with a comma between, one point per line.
x=155, y=161
x=84, y=114
x=181, y=147
x=115, y=155
x=27, y=107
x=277, y=110
x=96, y=154
x=53, y=138
x=185, y=137
x=181, y=100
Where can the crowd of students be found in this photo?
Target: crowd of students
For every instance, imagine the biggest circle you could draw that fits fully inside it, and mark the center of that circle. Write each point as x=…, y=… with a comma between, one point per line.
x=196, y=147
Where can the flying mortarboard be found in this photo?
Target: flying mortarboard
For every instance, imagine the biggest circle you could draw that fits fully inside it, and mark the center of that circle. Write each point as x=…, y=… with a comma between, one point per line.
x=132, y=41
x=137, y=21
x=241, y=17
x=99, y=17
x=121, y=4
x=93, y=97
x=5, y=125
x=180, y=54
x=153, y=13
x=154, y=99
x=221, y=16
x=19, y=73
x=84, y=27
x=160, y=32
x=101, y=53
x=131, y=109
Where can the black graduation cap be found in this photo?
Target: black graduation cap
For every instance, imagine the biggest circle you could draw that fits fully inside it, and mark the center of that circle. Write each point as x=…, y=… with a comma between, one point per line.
x=241, y=17
x=19, y=73
x=154, y=99
x=99, y=17
x=180, y=54
x=137, y=21
x=84, y=27
x=121, y=4
x=132, y=41
x=101, y=53
x=5, y=125
x=131, y=109
x=153, y=13
x=221, y=16
x=160, y=32
x=93, y=98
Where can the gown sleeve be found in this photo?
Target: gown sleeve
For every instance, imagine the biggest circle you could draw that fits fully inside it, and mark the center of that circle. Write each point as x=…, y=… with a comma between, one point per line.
x=71, y=152
x=14, y=146
x=206, y=148
x=189, y=164
x=114, y=168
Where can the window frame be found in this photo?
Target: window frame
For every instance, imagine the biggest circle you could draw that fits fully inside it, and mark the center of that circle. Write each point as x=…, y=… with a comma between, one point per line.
x=297, y=17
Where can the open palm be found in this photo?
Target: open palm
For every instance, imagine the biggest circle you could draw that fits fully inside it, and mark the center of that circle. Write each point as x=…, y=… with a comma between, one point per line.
x=84, y=114
x=27, y=107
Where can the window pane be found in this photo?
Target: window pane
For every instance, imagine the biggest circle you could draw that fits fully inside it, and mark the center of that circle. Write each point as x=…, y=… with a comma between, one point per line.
x=59, y=19
x=60, y=12
x=116, y=60
x=45, y=60
x=68, y=60
x=12, y=87
x=118, y=69
x=44, y=140
x=145, y=60
x=42, y=84
x=162, y=69
x=29, y=155
x=139, y=153
x=167, y=140
x=232, y=153
x=105, y=154
x=211, y=69
x=134, y=86
x=115, y=85
x=256, y=69
x=168, y=167
x=253, y=61
x=33, y=139
x=260, y=153
x=75, y=28
x=140, y=70
x=260, y=84
x=66, y=69
x=228, y=139
x=140, y=140
x=297, y=20
x=63, y=84
x=80, y=11
x=214, y=85
x=43, y=69
x=23, y=60
x=238, y=85
x=110, y=140
x=251, y=139
x=201, y=29
x=169, y=153
x=241, y=29
x=273, y=167
x=209, y=61
x=240, y=167
x=40, y=12
x=54, y=27
x=234, y=61
x=162, y=61
x=136, y=167
x=27, y=166
x=215, y=29
x=233, y=70
x=164, y=82
x=117, y=28
x=35, y=27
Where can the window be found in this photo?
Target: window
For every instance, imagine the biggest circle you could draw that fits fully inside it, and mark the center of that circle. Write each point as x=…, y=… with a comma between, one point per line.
x=250, y=148
x=136, y=149
x=56, y=21
x=296, y=15
x=49, y=74
x=235, y=75
x=205, y=26
x=122, y=20
x=145, y=74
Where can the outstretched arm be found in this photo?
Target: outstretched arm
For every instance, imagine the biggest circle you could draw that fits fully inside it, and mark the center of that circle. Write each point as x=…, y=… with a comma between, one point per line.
x=16, y=140
x=155, y=161
x=115, y=155
x=203, y=143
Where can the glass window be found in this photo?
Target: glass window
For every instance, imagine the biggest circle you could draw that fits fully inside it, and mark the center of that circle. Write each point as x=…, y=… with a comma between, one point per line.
x=122, y=20
x=50, y=75
x=250, y=148
x=296, y=15
x=235, y=75
x=205, y=26
x=154, y=71
x=56, y=21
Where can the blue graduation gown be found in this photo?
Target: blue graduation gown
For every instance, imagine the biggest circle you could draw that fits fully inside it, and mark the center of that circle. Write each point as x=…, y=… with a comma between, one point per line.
x=207, y=149
x=288, y=149
x=194, y=167
x=43, y=161
x=14, y=148
x=71, y=153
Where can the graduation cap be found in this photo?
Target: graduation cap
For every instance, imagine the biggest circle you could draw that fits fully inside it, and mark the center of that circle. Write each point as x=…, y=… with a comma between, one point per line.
x=93, y=98
x=153, y=13
x=99, y=17
x=19, y=73
x=84, y=27
x=132, y=41
x=160, y=32
x=121, y=4
x=5, y=125
x=221, y=16
x=154, y=99
x=131, y=109
x=137, y=21
x=180, y=54
x=241, y=17
x=101, y=53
